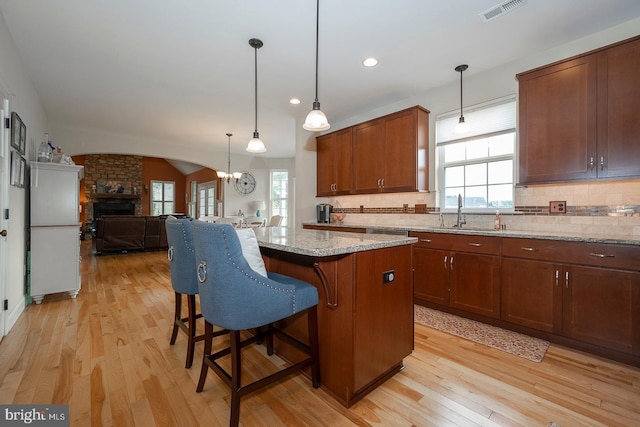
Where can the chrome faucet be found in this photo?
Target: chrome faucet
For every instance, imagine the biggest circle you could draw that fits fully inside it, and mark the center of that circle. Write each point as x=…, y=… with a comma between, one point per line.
x=461, y=220
x=441, y=217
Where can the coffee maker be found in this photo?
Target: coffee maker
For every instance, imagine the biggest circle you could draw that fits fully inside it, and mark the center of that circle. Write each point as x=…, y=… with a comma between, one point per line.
x=323, y=212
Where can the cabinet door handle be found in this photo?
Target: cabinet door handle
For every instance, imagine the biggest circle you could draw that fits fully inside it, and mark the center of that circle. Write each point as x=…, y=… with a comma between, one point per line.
x=382, y=180
x=529, y=249
x=602, y=255
x=557, y=277
x=451, y=262
x=426, y=240
x=445, y=261
x=591, y=163
x=477, y=245
x=566, y=279
x=601, y=163
x=379, y=182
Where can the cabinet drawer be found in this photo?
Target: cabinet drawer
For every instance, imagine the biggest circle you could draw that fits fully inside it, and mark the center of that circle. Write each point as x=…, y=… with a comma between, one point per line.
x=593, y=254
x=458, y=242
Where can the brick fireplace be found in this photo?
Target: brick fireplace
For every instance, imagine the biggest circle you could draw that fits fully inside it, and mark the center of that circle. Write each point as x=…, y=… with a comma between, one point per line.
x=116, y=168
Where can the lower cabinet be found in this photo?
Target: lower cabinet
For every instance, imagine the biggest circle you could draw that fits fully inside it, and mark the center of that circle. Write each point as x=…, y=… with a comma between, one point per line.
x=547, y=286
x=460, y=271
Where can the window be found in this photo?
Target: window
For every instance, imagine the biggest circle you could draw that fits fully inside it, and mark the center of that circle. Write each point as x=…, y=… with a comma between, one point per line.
x=280, y=194
x=162, y=197
x=207, y=199
x=479, y=165
x=192, y=199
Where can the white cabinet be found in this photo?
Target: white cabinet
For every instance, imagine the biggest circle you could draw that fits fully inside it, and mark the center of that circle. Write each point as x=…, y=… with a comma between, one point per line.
x=55, y=229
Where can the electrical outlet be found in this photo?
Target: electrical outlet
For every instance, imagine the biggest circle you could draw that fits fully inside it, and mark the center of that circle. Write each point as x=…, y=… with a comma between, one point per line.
x=388, y=276
x=405, y=207
x=558, y=207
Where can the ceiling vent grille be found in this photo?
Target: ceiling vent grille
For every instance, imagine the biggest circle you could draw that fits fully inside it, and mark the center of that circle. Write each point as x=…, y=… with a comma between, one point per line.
x=501, y=9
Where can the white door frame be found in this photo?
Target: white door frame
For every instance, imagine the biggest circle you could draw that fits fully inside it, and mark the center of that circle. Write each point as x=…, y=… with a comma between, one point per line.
x=4, y=204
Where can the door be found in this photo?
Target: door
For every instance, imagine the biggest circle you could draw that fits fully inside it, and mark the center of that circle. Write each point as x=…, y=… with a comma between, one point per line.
x=431, y=275
x=475, y=283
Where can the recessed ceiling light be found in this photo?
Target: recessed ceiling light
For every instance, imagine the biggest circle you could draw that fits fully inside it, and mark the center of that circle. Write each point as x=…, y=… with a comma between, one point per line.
x=294, y=101
x=370, y=62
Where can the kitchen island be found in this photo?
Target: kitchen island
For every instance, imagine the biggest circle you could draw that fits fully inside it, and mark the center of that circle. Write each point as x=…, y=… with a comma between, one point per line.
x=365, y=309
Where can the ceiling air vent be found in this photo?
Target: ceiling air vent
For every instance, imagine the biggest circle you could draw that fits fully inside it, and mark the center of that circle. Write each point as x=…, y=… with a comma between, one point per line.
x=501, y=9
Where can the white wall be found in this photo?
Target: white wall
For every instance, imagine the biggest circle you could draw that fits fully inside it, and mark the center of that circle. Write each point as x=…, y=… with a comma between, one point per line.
x=23, y=99
x=478, y=87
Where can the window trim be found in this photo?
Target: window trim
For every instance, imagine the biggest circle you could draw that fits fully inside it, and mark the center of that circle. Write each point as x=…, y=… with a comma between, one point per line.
x=152, y=201
x=439, y=157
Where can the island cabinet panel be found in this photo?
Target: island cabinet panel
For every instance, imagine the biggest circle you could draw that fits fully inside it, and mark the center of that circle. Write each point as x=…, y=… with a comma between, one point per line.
x=576, y=117
x=383, y=313
x=334, y=164
x=365, y=325
x=459, y=271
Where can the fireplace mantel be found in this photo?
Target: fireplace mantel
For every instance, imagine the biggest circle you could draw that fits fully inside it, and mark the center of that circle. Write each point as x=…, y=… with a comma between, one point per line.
x=108, y=196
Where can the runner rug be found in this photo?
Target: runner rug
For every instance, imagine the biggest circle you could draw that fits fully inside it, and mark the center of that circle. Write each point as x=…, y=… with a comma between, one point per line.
x=514, y=343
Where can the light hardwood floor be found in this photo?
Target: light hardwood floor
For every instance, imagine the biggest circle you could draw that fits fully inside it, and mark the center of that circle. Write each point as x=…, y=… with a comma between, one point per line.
x=107, y=355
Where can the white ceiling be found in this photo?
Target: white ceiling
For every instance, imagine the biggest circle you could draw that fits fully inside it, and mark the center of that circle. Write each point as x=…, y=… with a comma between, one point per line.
x=183, y=71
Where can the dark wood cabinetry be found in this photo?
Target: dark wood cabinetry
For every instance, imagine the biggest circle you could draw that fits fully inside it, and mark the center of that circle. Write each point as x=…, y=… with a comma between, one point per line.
x=334, y=165
x=576, y=117
x=586, y=292
x=460, y=271
x=387, y=154
x=390, y=153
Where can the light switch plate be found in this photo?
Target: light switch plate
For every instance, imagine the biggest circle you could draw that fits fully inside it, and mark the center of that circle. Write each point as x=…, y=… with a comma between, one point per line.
x=558, y=207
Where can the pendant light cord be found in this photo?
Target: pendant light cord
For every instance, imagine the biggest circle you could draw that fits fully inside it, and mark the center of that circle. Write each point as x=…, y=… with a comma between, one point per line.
x=461, y=92
x=256, y=87
x=317, y=36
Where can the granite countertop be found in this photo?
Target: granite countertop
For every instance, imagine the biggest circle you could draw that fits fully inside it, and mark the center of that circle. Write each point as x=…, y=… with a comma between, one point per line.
x=523, y=234
x=325, y=243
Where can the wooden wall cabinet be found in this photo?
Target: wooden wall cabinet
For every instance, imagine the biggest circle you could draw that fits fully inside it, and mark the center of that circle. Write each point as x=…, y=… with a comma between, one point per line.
x=388, y=154
x=334, y=163
x=576, y=117
x=459, y=271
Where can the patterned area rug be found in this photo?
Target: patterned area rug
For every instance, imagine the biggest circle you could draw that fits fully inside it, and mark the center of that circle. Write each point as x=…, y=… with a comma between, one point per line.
x=520, y=345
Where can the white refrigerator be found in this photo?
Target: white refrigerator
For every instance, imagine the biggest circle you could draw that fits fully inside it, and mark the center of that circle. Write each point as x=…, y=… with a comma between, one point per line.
x=55, y=229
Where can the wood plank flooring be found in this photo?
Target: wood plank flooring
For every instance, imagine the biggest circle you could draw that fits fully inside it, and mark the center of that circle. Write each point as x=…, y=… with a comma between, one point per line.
x=107, y=355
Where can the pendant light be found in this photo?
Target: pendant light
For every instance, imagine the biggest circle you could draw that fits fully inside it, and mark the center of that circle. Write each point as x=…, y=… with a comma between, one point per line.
x=316, y=121
x=461, y=127
x=227, y=176
x=255, y=144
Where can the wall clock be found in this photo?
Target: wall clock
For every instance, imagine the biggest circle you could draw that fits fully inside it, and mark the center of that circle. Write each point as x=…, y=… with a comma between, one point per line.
x=246, y=184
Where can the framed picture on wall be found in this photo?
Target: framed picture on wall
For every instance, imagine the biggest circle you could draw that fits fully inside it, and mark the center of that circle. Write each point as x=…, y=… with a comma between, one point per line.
x=18, y=141
x=18, y=169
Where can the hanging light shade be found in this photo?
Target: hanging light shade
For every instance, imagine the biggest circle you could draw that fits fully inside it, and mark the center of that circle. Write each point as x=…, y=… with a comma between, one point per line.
x=462, y=126
x=316, y=121
x=228, y=175
x=255, y=144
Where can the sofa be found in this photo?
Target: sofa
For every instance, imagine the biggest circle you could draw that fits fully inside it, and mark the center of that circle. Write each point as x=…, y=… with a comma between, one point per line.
x=123, y=233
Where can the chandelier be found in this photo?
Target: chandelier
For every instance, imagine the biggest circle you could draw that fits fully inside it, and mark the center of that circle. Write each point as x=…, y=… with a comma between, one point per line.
x=228, y=175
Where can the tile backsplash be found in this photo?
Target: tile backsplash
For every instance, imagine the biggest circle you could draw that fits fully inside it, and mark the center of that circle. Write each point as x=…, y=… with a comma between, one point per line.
x=603, y=208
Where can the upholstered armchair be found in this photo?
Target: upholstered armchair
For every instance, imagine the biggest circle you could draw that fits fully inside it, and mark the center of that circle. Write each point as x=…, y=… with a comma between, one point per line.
x=237, y=297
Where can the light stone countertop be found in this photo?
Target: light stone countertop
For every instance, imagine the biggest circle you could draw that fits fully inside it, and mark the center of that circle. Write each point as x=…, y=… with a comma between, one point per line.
x=524, y=234
x=322, y=243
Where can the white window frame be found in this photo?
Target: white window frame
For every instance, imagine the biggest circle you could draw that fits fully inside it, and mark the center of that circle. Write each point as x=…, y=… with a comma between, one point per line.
x=274, y=210
x=164, y=199
x=209, y=210
x=445, y=136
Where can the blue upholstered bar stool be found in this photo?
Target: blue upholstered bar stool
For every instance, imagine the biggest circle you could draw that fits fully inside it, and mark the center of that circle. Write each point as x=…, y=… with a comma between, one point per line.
x=236, y=297
x=184, y=281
